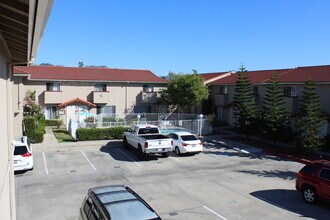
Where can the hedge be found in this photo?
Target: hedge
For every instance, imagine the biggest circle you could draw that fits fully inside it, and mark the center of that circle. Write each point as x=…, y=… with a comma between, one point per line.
x=34, y=128
x=85, y=134
x=56, y=123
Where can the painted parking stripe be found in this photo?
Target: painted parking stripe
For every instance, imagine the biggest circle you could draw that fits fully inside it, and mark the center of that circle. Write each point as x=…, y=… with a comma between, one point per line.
x=174, y=158
x=88, y=160
x=45, y=163
x=217, y=214
x=137, y=163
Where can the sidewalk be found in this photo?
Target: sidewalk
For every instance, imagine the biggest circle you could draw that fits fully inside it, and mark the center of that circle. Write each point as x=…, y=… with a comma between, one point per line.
x=50, y=142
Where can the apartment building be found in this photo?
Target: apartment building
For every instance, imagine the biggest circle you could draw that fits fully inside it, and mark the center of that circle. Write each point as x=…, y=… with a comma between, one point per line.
x=22, y=23
x=292, y=81
x=67, y=91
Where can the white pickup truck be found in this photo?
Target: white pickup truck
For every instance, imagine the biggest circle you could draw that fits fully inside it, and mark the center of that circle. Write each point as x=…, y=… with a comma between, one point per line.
x=147, y=140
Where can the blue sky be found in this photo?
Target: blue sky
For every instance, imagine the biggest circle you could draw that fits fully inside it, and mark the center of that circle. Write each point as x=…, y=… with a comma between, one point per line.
x=181, y=35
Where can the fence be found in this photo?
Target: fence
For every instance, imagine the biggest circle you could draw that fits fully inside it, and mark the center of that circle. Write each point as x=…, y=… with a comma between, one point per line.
x=173, y=122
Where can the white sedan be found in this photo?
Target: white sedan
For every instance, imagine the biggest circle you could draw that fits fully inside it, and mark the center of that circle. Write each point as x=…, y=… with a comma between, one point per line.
x=185, y=142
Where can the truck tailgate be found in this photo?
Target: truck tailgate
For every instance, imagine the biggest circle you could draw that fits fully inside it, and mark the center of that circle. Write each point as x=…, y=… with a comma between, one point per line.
x=161, y=143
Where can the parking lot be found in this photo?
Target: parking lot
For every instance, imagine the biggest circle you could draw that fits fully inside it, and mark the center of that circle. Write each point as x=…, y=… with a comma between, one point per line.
x=219, y=183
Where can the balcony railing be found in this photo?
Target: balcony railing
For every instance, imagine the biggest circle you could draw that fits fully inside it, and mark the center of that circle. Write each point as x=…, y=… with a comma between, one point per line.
x=53, y=97
x=221, y=99
x=149, y=97
x=100, y=97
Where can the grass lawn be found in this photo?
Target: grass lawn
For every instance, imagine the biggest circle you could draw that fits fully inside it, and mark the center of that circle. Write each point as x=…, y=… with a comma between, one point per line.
x=62, y=135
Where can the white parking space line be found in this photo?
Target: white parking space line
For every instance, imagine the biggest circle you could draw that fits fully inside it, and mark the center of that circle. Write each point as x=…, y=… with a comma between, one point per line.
x=88, y=160
x=220, y=216
x=45, y=163
x=137, y=163
x=174, y=158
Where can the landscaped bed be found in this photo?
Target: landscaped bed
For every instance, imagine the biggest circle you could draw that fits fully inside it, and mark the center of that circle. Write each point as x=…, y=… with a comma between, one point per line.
x=62, y=135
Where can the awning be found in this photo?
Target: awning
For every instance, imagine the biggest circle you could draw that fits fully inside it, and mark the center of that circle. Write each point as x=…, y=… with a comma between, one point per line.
x=74, y=101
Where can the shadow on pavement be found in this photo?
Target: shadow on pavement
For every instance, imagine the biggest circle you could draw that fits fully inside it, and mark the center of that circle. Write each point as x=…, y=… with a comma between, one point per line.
x=292, y=201
x=286, y=175
x=118, y=152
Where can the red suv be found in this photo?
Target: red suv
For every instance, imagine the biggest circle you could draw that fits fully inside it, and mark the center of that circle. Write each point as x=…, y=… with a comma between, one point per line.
x=313, y=181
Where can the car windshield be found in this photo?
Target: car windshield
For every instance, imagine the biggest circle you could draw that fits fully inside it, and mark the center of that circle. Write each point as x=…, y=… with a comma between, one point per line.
x=19, y=150
x=189, y=138
x=148, y=131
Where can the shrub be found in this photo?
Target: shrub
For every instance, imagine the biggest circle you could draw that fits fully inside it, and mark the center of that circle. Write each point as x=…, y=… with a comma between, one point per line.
x=84, y=134
x=38, y=136
x=34, y=128
x=56, y=123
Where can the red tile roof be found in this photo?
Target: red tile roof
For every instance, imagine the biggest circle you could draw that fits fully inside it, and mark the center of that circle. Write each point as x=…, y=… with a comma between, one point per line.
x=207, y=76
x=254, y=76
x=87, y=74
x=295, y=75
x=302, y=74
x=76, y=100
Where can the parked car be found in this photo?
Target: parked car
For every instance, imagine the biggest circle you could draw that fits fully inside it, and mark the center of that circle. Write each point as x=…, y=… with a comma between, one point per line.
x=147, y=140
x=115, y=202
x=185, y=142
x=23, y=156
x=313, y=181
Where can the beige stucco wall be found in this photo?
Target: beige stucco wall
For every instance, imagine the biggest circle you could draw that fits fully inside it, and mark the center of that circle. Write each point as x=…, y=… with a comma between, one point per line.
x=122, y=95
x=7, y=186
x=323, y=91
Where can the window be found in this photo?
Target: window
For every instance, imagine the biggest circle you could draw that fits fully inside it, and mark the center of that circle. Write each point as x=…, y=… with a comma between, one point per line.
x=255, y=90
x=219, y=112
x=53, y=87
x=223, y=90
x=108, y=109
x=100, y=87
x=309, y=168
x=91, y=210
x=189, y=138
x=148, y=88
x=142, y=109
x=325, y=174
x=51, y=112
x=290, y=91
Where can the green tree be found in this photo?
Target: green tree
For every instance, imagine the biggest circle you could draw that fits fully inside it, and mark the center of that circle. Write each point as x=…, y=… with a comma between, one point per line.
x=184, y=90
x=311, y=120
x=245, y=108
x=275, y=114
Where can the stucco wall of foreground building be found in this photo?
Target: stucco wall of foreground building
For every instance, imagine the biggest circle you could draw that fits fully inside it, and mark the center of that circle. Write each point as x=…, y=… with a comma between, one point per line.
x=7, y=196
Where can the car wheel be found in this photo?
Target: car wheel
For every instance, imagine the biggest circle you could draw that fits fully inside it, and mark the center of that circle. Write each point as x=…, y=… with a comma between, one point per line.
x=309, y=195
x=141, y=154
x=177, y=151
x=125, y=143
x=166, y=154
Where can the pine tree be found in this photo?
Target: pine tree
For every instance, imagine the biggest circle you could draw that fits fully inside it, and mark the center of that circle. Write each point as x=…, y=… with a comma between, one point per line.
x=275, y=114
x=311, y=121
x=245, y=109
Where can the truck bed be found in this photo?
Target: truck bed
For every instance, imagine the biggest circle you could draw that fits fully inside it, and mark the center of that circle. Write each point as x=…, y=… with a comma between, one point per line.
x=154, y=136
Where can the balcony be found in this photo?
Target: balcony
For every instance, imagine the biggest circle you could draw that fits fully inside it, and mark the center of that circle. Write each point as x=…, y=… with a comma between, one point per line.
x=53, y=97
x=292, y=103
x=149, y=97
x=100, y=97
x=221, y=99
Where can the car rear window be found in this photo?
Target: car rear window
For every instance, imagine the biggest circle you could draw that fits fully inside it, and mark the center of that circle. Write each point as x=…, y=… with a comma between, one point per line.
x=148, y=131
x=124, y=210
x=309, y=168
x=189, y=138
x=19, y=150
